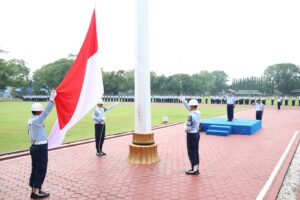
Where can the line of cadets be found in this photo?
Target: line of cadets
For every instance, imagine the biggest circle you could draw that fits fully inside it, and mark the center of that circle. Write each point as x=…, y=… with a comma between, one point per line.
x=208, y=100
x=174, y=99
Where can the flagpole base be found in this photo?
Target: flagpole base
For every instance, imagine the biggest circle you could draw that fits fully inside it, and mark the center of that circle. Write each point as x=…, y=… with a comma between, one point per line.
x=143, y=149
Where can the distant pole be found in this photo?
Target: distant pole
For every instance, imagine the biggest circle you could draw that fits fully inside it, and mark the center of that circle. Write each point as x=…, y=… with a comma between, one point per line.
x=143, y=149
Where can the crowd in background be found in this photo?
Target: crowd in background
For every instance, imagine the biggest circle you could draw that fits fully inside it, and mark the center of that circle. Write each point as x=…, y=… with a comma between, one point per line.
x=241, y=100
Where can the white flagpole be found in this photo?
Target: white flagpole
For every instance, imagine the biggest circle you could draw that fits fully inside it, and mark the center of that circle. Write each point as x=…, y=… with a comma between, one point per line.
x=143, y=149
x=142, y=72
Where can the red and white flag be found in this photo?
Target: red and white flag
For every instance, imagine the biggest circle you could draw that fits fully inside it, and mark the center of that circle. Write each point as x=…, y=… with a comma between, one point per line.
x=81, y=88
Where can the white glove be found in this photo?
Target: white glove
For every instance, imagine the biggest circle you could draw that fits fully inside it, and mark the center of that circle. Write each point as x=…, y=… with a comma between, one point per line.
x=182, y=98
x=52, y=95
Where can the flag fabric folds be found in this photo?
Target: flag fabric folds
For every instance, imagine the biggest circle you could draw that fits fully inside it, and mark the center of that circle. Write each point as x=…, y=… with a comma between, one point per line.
x=81, y=88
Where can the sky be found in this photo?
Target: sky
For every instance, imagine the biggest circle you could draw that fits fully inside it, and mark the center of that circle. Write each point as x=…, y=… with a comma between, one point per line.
x=240, y=37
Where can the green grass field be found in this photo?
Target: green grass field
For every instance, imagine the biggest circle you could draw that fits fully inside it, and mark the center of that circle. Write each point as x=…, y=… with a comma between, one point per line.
x=14, y=117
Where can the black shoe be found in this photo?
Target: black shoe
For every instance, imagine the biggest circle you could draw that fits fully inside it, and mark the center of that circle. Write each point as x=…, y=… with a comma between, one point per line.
x=98, y=154
x=40, y=195
x=102, y=153
x=192, y=172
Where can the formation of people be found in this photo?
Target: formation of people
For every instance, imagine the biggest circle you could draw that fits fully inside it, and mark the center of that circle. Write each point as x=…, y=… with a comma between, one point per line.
x=240, y=100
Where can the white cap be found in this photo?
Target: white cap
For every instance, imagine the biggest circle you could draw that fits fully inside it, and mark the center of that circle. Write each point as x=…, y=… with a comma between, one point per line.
x=193, y=102
x=37, y=107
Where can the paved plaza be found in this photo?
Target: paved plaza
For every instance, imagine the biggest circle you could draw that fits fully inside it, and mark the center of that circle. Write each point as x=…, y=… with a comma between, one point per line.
x=233, y=167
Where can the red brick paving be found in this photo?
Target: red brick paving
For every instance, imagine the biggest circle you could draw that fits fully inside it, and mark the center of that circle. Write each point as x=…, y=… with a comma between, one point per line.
x=233, y=167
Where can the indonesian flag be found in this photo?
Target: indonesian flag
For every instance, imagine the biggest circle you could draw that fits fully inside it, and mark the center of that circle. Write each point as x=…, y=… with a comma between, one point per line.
x=81, y=88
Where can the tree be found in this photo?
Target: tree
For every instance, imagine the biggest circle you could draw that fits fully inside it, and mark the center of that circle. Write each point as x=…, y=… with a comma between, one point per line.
x=4, y=74
x=220, y=79
x=284, y=77
x=203, y=82
x=13, y=73
x=50, y=75
x=19, y=76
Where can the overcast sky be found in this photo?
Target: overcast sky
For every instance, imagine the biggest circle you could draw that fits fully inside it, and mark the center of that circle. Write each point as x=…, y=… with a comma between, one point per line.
x=240, y=37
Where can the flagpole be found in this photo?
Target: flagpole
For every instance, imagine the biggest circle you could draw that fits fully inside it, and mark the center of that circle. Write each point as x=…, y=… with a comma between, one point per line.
x=143, y=149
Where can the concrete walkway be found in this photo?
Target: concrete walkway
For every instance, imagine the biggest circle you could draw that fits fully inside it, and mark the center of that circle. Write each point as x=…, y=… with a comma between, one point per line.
x=233, y=167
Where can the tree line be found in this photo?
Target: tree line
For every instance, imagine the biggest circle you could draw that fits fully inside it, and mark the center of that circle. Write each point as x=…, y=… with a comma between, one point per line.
x=282, y=78
x=279, y=78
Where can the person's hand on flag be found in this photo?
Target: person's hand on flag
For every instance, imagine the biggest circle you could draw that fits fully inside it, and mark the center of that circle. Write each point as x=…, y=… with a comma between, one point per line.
x=53, y=95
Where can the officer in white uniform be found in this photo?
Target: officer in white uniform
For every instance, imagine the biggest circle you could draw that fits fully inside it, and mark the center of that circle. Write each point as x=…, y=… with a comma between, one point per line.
x=293, y=101
x=286, y=101
x=259, y=109
x=230, y=105
x=193, y=135
x=99, y=119
x=279, y=102
x=263, y=99
x=39, y=147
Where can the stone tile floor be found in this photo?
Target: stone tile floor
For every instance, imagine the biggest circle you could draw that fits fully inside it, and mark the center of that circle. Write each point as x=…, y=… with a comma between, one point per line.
x=233, y=167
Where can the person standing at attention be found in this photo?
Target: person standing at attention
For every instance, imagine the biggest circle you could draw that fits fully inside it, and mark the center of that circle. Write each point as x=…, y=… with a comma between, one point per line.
x=279, y=101
x=230, y=105
x=259, y=109
x=99, y=119
x=272, y=101
x=293, y=101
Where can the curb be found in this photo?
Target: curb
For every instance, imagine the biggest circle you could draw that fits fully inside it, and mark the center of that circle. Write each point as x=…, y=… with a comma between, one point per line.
x=278, y=181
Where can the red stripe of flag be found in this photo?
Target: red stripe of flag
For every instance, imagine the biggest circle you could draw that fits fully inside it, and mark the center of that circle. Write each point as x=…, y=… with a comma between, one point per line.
x=70, y=88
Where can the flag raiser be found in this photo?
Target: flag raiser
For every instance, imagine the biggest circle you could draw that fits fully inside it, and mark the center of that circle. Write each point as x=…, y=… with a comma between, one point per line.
x=81, y=88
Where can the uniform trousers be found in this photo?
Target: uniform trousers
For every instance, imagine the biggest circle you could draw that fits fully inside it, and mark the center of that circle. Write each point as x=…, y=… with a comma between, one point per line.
x=272, y=102
x=230, y=112
x=258, y=115
x=293, y=102
x=99, y=136
x=39, y=162
x=278, y=105
x=193, y=147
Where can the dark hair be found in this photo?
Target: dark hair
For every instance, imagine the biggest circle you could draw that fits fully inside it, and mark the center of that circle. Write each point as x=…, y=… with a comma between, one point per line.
x=36, y=112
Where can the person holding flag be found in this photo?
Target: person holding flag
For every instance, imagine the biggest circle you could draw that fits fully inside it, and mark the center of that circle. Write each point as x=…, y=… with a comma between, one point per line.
x=99, y=119
x=39, y=147
x=192, y=135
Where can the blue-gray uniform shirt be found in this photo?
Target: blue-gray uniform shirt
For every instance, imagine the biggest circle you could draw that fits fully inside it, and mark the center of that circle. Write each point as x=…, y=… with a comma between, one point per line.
x=36, y=126
x=230, y=100
x=193, y=122
x=259, y=107
x=99, y=116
